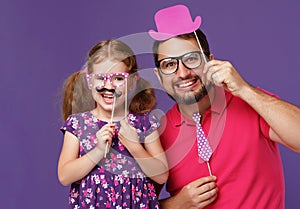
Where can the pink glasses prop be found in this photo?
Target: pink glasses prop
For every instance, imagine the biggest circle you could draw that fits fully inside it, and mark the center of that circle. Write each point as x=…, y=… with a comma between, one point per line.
x=99, y=80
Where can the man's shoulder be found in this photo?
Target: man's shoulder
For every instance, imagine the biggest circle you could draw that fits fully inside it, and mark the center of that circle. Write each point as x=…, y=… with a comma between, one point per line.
x=172, y=114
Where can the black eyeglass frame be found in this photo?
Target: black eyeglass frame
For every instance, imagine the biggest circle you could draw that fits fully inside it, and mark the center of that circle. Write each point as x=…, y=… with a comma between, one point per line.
x=157, y=63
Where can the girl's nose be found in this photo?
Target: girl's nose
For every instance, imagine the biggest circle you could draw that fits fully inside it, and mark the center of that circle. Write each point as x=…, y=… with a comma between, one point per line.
x=108, y=84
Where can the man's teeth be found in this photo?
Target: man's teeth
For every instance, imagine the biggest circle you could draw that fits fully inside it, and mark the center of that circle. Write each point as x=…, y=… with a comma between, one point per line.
x=185, y=84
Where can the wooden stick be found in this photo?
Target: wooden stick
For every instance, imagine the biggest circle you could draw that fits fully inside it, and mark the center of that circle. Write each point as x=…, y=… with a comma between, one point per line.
x=111, y=120
x=200, y=47
x=113, y=108
x=106, y=149
x=208, y=166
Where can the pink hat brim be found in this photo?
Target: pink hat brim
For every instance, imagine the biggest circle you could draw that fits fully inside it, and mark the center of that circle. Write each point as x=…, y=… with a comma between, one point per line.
x=164, y=36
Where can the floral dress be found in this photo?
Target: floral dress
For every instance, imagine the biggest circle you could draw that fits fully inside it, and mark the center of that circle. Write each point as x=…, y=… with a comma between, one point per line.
x=116, y=181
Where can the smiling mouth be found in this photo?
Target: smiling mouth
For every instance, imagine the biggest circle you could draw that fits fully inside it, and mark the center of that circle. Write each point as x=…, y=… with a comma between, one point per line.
x=107, y=97
x=186, y=84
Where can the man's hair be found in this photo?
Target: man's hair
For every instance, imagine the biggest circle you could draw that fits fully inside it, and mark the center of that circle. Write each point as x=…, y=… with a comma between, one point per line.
x=201, y=36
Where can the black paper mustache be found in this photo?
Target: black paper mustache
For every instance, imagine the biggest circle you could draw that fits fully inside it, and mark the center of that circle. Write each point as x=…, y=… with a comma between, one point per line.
x=117, y=94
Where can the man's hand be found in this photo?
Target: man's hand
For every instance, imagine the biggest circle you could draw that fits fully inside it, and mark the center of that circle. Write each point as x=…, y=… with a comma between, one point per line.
x=194, y=195
x=222, y=73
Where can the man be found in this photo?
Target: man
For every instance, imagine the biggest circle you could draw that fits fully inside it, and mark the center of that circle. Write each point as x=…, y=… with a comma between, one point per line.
x=242, y=124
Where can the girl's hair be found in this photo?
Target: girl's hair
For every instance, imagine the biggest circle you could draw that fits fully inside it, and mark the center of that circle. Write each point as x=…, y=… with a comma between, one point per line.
x=74, y=100
x=144, y=98
x=76, y=96
x=112, y=50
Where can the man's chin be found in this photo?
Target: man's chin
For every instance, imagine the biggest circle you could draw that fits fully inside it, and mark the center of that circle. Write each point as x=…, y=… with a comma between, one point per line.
x=185, y=99
x=189, y=98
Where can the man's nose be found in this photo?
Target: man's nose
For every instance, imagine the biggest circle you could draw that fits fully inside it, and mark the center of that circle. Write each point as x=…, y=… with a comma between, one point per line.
x=182, y=71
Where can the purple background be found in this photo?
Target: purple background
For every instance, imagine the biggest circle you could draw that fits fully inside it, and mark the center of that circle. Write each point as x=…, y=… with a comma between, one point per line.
x=42, y=42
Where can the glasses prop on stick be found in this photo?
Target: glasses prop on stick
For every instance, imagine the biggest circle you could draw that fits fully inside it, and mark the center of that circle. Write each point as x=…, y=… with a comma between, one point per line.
x=204, y=149
x=116, y=79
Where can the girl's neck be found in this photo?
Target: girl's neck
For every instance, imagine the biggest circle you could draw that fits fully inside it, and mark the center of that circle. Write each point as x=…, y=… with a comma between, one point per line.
x=105, y=115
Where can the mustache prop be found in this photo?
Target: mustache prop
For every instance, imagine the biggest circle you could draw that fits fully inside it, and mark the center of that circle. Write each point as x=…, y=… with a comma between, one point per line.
x=117, y=94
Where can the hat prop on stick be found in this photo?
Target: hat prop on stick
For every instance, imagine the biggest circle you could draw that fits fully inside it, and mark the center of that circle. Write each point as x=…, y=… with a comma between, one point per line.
x=171, y=22
x=174, y=21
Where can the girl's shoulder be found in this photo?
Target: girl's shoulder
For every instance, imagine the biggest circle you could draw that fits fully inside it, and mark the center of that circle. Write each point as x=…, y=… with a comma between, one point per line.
x=152, y=115
x=146, y=118
x=78, y=116
x=80, y=121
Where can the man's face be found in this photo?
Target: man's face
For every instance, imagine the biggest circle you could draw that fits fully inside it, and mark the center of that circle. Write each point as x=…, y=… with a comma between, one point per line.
x=184, y=85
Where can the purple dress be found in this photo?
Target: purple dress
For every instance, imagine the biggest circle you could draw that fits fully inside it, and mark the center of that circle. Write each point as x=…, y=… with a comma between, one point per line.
x=116, y=181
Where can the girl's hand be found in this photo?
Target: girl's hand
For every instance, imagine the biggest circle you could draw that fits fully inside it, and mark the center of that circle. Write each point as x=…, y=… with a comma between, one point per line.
x=105, y=135
x=128, y=135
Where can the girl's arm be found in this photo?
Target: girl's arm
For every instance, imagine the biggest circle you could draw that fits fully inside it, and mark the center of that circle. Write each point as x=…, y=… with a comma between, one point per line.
x=151, y=159
x=153, y=146
x=72, y=168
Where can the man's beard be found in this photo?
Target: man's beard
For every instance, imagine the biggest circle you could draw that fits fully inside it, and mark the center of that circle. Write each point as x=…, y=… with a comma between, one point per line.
x=192, y=97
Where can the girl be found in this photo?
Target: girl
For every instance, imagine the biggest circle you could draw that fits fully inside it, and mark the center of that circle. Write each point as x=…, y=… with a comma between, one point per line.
x=112, y=167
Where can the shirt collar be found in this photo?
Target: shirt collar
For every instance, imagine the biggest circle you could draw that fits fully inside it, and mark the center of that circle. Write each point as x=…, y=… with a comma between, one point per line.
x=218, y=106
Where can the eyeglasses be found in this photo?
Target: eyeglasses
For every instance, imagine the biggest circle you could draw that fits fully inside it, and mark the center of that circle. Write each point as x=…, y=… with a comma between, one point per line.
x=99, y=80
x=169, y=65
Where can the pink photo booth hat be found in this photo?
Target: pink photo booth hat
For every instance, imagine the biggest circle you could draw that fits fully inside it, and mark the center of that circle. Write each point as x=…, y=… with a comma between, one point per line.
x=174, y=21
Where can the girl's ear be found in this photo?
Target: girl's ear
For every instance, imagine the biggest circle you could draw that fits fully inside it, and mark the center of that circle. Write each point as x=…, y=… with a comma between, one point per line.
x=211, y=57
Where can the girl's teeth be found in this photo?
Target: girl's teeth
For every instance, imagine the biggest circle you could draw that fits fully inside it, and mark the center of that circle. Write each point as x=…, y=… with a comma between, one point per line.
x=107, y=96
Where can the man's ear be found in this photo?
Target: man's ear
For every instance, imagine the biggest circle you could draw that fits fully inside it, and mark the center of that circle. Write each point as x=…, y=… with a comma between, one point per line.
x=157, y=74
x=211, y=57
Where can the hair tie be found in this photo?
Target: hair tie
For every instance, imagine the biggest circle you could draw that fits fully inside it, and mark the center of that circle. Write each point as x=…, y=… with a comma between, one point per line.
x=86, y=70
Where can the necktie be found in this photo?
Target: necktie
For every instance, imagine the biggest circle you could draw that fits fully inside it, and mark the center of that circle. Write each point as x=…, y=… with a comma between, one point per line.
x=204, y=150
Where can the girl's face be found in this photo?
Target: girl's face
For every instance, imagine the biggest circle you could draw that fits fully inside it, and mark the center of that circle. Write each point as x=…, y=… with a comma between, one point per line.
x=113, y=77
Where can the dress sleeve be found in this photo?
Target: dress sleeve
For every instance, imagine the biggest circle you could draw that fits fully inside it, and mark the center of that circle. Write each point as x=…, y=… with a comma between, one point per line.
x=70, y=125
x=145, y=124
